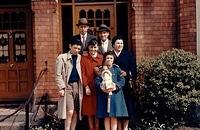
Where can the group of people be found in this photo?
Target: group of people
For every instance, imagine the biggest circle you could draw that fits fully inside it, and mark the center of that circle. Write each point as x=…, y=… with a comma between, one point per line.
x=93, y=80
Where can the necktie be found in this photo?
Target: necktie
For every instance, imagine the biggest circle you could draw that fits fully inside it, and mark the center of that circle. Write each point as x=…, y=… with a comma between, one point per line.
x=83, y=40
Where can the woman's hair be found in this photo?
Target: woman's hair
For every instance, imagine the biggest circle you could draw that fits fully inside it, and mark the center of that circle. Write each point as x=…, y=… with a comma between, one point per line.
x=92, y=42
x=115, y=38
x=108, y=53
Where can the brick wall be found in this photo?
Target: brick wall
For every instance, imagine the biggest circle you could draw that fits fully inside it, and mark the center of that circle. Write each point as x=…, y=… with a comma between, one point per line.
x=187, y=18
x=154, y=28
x=46, y=44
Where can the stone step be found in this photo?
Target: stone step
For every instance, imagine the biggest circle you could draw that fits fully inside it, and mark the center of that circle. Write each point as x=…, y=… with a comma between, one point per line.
x=12, y=126
x=15, y=122
x=19, y=116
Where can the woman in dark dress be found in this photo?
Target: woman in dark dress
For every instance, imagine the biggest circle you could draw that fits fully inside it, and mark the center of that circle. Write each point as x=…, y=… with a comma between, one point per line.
x=126, y=62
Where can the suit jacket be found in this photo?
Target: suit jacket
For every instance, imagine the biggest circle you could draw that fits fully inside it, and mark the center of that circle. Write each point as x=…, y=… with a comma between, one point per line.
x=110, y=48
x=88, y=38
x=63, y=70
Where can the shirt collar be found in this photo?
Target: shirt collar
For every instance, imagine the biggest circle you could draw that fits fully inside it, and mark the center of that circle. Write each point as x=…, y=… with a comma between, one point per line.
x=83, y=35
x=117, y=53
x=104, y=42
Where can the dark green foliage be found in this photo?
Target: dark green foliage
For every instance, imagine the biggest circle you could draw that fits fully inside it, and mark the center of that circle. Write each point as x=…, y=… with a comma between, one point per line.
x=170, y=83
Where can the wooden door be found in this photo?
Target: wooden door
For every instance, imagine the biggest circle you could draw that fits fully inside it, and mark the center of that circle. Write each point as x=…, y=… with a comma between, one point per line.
x=96, y=15
x=16, y=66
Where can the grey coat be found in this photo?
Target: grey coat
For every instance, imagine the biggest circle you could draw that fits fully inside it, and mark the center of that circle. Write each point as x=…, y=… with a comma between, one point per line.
x=63, y=70
x=110, y=48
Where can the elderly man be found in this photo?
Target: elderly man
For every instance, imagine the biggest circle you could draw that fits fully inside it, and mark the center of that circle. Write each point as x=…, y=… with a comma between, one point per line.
x=105, y=44
x=83, y=35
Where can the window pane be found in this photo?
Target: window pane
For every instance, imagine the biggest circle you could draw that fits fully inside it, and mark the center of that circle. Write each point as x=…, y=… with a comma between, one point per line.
x=82, y=14
x=4, y=58
x=90, y=14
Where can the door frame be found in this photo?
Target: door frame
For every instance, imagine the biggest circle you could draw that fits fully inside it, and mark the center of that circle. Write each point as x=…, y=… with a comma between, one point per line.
x=115, y=3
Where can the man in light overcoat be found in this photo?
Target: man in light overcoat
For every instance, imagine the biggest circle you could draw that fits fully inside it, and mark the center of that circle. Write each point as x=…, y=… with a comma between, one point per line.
x=69, y=81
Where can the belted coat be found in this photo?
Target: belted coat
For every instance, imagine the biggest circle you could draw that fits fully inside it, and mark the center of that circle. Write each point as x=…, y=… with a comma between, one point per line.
x=63, y=70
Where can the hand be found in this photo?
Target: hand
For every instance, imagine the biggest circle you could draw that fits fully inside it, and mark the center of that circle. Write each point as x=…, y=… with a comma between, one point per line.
x=97, y=70
x=113, y=88
x=61, y=92
x=110, y=89
x=123, y=73
x=87, y=90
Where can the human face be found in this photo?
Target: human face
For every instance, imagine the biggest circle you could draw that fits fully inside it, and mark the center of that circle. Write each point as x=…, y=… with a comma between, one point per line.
x=75, y=49
x=109, y=60
x=103, y=35
x=118, y=46
x=83, y=29
x=93, y=49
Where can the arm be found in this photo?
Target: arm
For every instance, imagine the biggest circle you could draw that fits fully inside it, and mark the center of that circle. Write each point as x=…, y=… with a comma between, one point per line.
x=132, y=66
x=83, y=70
x=84, y=76
x=98, y=81
x=60, y=73
x=120, y=80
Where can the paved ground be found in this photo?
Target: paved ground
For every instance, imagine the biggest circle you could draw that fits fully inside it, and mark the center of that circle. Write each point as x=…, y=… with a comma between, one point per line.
x=15, y=122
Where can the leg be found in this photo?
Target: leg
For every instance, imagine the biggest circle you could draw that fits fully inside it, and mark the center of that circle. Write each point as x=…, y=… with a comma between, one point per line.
x=107, y=123
x=91, y=122
x=68, y=119
x=113, y=123
x=96, y=123
x=74, y=121
x=119, y=124
x=125, y=124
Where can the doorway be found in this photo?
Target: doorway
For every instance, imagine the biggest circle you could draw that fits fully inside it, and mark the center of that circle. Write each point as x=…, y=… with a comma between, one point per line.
x=113, y=13
x=16, y=66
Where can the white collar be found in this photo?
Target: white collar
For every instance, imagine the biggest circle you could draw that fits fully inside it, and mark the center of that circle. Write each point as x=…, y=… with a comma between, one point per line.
x=83, y=35
x=104, y=42
x=117, y=53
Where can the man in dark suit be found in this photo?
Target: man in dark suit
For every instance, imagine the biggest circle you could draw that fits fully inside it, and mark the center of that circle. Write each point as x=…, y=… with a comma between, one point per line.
x=83, y=35
x=105, y=44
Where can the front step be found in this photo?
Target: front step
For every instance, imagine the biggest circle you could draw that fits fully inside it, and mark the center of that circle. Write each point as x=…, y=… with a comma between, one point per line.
x=15, y=122
x=12, y=126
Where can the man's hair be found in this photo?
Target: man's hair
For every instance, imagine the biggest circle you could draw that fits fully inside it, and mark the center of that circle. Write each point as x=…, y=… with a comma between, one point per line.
x=75, y=41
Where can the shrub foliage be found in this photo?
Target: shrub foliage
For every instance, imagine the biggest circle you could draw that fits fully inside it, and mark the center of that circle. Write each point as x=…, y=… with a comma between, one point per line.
x=170, y=83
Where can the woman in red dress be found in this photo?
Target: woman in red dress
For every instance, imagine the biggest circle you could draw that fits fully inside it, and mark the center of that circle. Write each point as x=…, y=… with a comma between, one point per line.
x=89, y=60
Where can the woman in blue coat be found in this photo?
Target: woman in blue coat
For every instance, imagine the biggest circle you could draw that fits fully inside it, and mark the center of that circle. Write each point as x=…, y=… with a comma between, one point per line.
x=110, y=98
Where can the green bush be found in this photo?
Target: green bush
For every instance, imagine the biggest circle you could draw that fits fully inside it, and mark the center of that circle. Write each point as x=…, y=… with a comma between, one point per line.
x=169, y=84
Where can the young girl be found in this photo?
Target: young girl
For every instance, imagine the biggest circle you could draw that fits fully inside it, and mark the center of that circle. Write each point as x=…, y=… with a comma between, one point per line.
x=110, y=100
